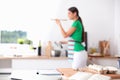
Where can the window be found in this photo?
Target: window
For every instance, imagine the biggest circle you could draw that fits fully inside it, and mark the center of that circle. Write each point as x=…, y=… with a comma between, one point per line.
x=32, y=16
x=25, y=21
x=12, y=36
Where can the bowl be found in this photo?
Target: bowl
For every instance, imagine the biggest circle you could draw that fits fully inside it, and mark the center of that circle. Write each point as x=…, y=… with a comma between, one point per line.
x=55, y=53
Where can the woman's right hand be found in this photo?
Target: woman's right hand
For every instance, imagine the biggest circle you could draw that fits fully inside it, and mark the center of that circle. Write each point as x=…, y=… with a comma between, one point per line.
x=58, y=22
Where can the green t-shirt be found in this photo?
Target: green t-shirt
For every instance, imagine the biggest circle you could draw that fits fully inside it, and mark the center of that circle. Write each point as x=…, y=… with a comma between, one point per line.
x=77, y=36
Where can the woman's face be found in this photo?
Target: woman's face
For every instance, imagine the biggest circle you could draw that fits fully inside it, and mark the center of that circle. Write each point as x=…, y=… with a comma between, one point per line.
x=71, y=15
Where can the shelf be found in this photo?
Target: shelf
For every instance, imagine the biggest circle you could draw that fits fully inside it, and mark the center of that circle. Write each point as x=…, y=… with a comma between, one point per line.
x=110, y=57
x=32, y=57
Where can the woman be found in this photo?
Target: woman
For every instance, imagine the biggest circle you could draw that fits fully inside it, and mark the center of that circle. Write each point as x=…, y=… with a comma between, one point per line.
x=76, y=50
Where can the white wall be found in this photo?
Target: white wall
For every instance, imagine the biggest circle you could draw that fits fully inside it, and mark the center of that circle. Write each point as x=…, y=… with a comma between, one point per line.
x=117, y=26
x=34, y=16
x=98, y=17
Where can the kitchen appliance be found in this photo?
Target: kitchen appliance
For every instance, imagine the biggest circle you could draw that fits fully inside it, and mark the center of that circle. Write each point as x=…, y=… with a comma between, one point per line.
x=55, y=53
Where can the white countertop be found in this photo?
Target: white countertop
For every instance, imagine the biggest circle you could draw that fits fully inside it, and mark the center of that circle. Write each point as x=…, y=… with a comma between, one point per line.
x=32, y=75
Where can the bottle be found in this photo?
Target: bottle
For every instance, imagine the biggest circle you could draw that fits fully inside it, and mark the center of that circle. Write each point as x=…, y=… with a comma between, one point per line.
x=39, y=49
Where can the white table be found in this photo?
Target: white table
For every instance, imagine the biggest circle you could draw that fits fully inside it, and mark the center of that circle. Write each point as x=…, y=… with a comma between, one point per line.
x=32, y=75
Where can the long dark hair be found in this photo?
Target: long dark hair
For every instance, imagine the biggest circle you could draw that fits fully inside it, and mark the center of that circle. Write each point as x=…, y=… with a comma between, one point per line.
x=73, y=10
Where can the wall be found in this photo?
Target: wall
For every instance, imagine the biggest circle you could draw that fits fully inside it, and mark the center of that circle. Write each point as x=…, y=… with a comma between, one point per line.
x=105, y=61
x=98, y=18
x=35, y=16
x=117, y=26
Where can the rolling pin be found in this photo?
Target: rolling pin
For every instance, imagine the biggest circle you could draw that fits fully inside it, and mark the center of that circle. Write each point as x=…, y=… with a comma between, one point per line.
x=59, y=19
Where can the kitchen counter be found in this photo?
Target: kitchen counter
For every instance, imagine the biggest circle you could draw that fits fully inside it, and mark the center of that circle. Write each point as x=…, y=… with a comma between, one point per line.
x=32, y=57
x=110, y=57
x=32, y=75
x=46, y=57
x=68, y=72
x=33, y=62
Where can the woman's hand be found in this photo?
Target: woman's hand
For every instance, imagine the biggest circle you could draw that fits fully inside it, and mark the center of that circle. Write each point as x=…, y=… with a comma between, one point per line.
x=63, y=42
x=65, y=34
x=58, y=22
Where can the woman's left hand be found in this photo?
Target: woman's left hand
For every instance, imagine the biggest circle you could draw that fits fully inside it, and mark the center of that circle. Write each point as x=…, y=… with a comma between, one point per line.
x=58, y=22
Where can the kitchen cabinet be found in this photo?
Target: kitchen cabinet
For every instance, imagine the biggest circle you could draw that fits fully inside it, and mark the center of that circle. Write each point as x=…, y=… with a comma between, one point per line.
x=33, y=62
x=4, y=76
x=31, y=65
x=105, y=61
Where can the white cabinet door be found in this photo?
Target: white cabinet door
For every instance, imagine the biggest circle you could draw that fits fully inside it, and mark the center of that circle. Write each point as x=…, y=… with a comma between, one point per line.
x=39, y=64
x=4, y=77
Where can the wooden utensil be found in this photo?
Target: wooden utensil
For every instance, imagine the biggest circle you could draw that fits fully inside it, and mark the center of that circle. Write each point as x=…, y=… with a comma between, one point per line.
x=104, y=48
x=48, y=49
x=59, y=19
